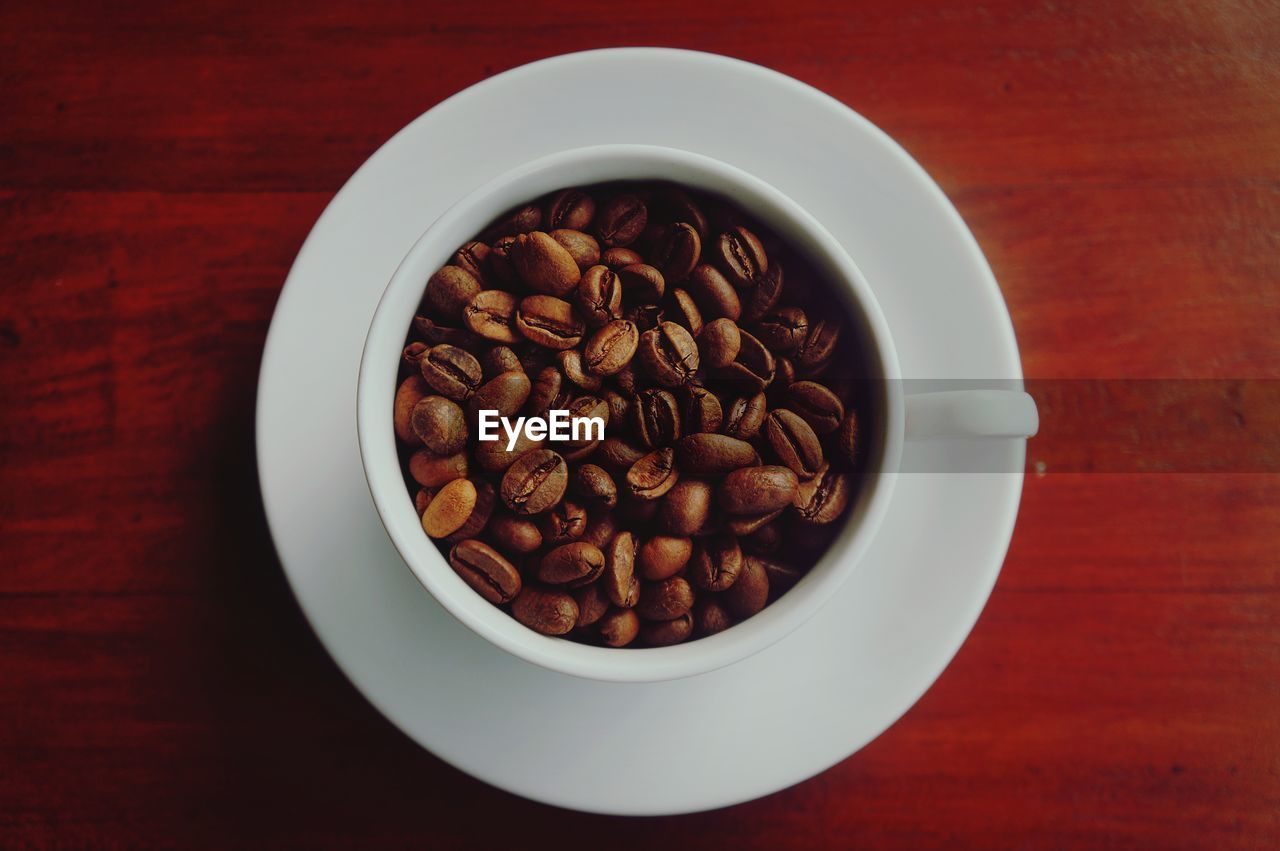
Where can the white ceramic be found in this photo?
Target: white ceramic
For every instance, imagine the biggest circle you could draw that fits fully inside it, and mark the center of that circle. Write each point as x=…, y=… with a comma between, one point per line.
x=883, y=430
x=808, y=700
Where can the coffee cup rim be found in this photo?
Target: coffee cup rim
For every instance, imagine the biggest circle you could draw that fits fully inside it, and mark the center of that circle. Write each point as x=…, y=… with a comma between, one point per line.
x=378, y=379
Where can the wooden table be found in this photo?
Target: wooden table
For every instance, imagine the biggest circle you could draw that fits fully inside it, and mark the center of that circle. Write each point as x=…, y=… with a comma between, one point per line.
x=159, y=168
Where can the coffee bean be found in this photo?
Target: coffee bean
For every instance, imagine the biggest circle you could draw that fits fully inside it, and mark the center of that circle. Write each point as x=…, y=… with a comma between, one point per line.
x=592, y=604
x=753, y=367
x=451, y=372
x=684, y=312
x=619, y=580
x=646, y=316
x=485, y=570
x=449, y=508
x=655, y=418
x=440, y=424
x=611, y=347
x=700, y=410
x=586, y=408
x=505, y=394
x=764, y=296
x=746, y=524
x=433, y=333
x=666, y=599
x=794, y=443
x=448, y=292
x=566, y=521
x=582, y=247
x=535, y=482
x=686, y=508
x=666, y=633
x=710, y=616
x=764, y=540
x=547, y=391
x=570, y=208
x=783, y=377
x=599, y=296
x=492, y=456
x=720, y=343
x=824, y=497
x=432, y=471
x=619, y=627
x=740, y=256
x=716, y=563
x=545, y=610
x=847, y=440
x=544, y=264
x=410, y=392
x=549, y=321
x=572, y=367
x=653, y=475
x=677, y=251
x=714, y=293
x=595, y=486
x=816, y=405
x=817, y=348
x=756, y=490
x=714, y=454
x=498, y=268
x=663, y=556
x=617, y=455
x=421, y=500
x=783, y=329
x=782, y=577
x=621, y=220
x=471, y=258
x=411, y=356
x=617, y=257
x=642, y=283
x=481, y=511
x=750, y=592
x=602, y=527
x=498, y=360
x=746, y=416
x=515, y=535
x=572, y=564
x=676, y=205
x=668, y=354
x=520, y=220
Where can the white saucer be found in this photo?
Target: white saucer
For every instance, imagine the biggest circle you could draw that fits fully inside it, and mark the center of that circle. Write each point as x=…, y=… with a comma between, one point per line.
x=745, y=731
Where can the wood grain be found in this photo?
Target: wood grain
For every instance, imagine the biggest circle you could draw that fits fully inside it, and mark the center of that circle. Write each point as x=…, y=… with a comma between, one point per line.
x=159, y=168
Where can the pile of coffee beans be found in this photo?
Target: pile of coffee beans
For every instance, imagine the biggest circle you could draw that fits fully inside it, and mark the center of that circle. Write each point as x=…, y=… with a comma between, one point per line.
x=728, y=391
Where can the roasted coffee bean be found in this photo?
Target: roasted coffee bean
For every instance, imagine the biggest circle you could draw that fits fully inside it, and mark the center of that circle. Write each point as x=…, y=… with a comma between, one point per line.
x=572, y=564
x=451, y=372
x=433, y=333
x=764, y=296
x=794, y=443
x=757, y=490
x=686, y=508
x=484, y=569
x=582, y=247
x=602, y=527
x=617, y=455
x=710, y=616
x=664, y=600
x=410, y=392
x=619, y=627
x=491, y=314
x=570, y=208
x=749, y=592
x=595, y=486
x=505, y=394
x=740, y=256
x=621, y=220
x=746, y=524
x=449, y=508
x=599, y=296
x=515, y=535
x=636, y=513
x=676, y=205
x=611, y=347
x=471, y=258
x=745, y=416
x=642, y=283
x=520, y=220
x=782, y=577
x=700, y=410
x=544, y=265
x=590, y=408
x=440, y=424
x=719, y=343
x=535, y=482
x=549, y=321
x=478, y=519
x=817, y=348
x=714, y=454
x=626, y=379
x=783, y=329
x=421, y=500
x=498, y=360
x=619, y=408
x=666, y=633
x=847, y=440
x=764, y=540
x=448, y=292
x=572, y=367
x=684, y=312
x=668, y=354
x=565, y=522
x=783, y=377
x=677, y=251
x=753, y=367
x=432, y=471
x=498, y=268
x=492, y=456
x=592, y=604
x=816, y=405
x=824, y=497
x=653, y=475
x=714, y=293
x=716, y=563
x=617, y=257
x=655, y=418
x=662, y=556
x=646, y=316
x=412, y=354
x=545, y=610
x=547, y=391
x=621, y=585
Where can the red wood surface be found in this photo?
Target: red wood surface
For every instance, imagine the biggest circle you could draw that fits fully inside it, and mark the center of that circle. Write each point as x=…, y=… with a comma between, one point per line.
x=160, y=165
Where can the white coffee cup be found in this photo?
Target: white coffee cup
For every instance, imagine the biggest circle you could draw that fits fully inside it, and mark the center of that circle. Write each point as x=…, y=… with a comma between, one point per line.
x=895, y=416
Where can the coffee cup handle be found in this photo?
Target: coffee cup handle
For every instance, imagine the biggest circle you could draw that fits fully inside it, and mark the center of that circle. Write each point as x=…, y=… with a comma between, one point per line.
x=971, y=413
